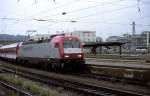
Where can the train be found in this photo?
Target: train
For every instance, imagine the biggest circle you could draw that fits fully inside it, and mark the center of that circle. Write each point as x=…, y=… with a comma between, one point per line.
x=58, y=52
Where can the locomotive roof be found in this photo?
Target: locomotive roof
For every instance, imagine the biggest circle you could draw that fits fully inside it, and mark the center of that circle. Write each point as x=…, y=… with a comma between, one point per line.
x=36, y=42
x=44, y=40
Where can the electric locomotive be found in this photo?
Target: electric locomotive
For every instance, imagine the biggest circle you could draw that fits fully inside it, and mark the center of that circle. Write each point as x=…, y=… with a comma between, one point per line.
x=58, y=52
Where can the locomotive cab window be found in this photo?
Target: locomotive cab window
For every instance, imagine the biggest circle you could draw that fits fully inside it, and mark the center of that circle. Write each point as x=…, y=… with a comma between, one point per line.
x=71, y=44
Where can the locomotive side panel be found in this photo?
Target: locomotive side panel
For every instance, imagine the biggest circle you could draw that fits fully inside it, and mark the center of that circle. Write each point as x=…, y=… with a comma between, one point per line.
x=38, y=52
x=54, y=51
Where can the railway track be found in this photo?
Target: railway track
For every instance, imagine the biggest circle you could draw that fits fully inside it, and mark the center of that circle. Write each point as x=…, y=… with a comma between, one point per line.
x=112, y=79
x=69, y=84
x=16, y=89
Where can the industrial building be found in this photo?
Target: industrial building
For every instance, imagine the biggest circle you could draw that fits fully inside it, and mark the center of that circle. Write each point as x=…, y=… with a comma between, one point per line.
x=85, y=36
x=133, y=43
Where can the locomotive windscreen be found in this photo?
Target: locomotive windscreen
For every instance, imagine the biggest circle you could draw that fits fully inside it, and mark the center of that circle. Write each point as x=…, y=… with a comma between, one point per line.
x=71, y=44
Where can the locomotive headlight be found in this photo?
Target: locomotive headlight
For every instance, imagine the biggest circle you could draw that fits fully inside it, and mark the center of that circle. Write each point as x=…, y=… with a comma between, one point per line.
x=79, y=55
x=66, y=56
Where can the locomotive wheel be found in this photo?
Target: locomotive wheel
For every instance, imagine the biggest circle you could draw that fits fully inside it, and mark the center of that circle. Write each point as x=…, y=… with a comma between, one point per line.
x=62, y=65
x=17, y=61
x=53, y=68
x=49, y=67
x=21, y=62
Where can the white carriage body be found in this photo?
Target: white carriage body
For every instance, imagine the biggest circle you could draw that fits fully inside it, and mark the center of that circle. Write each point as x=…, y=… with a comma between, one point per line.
x=10, y=51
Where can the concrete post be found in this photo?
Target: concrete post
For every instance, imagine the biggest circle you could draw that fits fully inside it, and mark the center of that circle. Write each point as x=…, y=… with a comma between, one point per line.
x=148, y=42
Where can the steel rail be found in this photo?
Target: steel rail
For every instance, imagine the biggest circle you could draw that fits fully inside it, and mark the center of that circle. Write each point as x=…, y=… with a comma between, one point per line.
x=113, y=79
x=16, y=89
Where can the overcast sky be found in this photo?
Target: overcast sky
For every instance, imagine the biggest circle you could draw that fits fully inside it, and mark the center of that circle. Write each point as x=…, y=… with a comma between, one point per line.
x=106, y=17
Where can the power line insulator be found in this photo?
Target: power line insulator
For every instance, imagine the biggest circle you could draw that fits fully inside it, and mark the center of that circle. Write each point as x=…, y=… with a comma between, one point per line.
x=64, y=13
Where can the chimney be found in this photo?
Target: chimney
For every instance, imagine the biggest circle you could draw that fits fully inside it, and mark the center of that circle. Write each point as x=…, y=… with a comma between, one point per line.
x=133, y=28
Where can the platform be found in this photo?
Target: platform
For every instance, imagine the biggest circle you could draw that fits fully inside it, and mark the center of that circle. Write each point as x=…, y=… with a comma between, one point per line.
x=118, y=63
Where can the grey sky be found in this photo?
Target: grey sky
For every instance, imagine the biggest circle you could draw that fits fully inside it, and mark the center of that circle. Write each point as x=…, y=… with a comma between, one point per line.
x=106, y=17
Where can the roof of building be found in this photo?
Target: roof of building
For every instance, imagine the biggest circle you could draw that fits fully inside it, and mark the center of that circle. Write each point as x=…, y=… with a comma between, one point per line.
x=102, y=44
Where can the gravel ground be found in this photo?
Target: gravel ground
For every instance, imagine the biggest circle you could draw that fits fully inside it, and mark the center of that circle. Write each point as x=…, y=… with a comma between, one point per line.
x=125, y=87
x=2, y=91
x=119, y=64
x=54, y=91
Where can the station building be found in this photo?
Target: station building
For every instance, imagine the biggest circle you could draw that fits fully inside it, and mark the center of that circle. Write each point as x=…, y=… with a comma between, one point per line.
x=85, y=36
